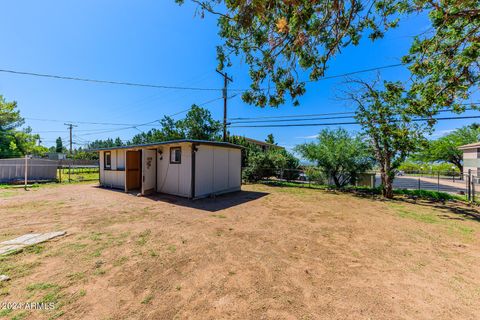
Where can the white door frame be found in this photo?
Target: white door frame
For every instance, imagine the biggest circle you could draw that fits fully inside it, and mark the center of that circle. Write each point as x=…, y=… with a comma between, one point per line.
x=149, y=171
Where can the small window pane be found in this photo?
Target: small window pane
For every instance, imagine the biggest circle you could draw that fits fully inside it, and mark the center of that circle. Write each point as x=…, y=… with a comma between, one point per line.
x=108, y=160
x=175, y=155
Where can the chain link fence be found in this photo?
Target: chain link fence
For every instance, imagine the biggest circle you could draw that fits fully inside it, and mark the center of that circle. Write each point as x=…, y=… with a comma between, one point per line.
x=452, y=182
x=33, y=170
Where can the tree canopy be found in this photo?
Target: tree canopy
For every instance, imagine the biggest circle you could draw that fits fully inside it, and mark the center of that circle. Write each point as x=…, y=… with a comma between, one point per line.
x=382, y=111
x=197, y=124
x=13, y=141
x=278, y=39
x=341, y=156
x=445, y=149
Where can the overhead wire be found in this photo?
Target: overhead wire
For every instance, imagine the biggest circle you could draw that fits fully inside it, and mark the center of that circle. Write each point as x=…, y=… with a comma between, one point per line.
x=340, y=123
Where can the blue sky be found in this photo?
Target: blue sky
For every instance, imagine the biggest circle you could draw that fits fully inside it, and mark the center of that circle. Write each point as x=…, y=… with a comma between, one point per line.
x=154, y=42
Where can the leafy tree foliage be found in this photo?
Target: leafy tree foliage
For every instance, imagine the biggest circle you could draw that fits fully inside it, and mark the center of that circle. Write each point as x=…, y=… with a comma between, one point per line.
x=59, y=145
x=412, y=165
x=270, y=139
x=261, y=164
x=107, y=143
x=386, y=120
x=341, y=156
x=15, y=142
x=445, y=149
x=273, y=162
x=279, y=38
x=445, y=61
x=197, y=124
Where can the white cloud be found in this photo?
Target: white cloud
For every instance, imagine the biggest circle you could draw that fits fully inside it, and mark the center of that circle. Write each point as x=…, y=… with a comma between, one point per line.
x=441, y=133
x=308, y=137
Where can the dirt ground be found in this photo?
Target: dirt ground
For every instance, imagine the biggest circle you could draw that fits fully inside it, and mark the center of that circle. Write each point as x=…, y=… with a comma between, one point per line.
x=264, y=253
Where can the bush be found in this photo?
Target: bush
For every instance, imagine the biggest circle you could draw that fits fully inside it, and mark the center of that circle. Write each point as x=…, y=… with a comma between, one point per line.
x=271, y=163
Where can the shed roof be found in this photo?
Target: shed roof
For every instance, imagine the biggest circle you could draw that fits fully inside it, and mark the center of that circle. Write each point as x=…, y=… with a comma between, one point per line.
x=153, y=144
x=470, y=146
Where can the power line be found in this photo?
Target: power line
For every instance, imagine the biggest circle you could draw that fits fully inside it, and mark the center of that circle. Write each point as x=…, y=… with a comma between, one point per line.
x=330, y=113
x=147, y=123
x=320, y=118
x=293, y=116
x=80, y=122
x=132, y=84
x=156, y=86
x=358, y=71
x=340, y=123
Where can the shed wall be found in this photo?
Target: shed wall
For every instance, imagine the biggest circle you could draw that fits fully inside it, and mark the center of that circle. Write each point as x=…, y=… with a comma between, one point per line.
x=114, y=177
x=217, y=170
x=173, y=178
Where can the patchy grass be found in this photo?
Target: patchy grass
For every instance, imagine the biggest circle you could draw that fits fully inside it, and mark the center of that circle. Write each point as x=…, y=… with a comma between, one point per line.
x=177, y=255
x=429, y=216
x=143, y=237
x=148, y=299
x=426, y=217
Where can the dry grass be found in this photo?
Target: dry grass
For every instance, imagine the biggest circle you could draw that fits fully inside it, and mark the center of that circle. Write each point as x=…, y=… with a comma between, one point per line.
x=269, y=252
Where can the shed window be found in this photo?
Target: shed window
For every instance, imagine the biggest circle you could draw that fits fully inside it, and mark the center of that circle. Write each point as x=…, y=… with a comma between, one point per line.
x=107, y=160
x=176, y=155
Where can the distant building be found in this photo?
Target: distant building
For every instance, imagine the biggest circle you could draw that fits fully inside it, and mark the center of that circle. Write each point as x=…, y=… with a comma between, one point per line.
x=56, y=156
x=265, y=146
x=471, y=157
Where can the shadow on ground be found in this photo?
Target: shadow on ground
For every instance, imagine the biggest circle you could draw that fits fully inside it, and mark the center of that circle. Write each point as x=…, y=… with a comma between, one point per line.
x=211, y=204
x=462, y=210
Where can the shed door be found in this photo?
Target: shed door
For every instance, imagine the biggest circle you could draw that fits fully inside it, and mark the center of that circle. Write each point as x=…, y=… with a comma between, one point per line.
x=149, y=172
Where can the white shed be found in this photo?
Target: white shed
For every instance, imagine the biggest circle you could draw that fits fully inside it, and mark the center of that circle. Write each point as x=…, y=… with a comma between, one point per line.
x=187, y=168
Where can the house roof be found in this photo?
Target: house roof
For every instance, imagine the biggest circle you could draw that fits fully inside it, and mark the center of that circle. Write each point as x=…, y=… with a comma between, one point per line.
x=153, y=144
x=470, y=146
x=262, y=143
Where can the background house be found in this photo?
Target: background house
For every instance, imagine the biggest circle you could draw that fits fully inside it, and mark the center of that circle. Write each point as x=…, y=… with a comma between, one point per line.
x=471, y=157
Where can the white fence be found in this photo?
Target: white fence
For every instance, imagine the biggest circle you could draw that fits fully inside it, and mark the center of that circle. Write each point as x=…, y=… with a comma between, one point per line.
x=12, y=170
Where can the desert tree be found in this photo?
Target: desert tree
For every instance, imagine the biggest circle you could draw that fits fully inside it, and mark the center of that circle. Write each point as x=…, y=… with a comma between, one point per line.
x=280, y=39
x=445, y=148
x=340, y=155
x=383, y=112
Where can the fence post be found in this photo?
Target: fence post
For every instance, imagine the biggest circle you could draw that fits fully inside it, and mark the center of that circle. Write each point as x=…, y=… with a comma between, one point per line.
x=419, y=183
x=473, y=190
x=26, y=172
x=469, y=188
x=438, y=181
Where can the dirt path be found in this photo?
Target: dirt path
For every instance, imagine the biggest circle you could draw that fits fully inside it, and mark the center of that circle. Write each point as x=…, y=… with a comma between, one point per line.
x=265, y=253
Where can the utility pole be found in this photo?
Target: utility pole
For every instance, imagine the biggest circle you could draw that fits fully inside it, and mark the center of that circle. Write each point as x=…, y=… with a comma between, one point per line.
x=226, y=79
x=70, y=127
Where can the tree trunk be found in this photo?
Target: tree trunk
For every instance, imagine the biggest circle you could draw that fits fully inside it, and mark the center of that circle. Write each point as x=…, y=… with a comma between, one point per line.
x=388, y=186
x=387, y=179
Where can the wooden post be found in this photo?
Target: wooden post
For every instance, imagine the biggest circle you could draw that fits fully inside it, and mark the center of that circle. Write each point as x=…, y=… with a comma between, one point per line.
x=26, y=172
x=438, y=181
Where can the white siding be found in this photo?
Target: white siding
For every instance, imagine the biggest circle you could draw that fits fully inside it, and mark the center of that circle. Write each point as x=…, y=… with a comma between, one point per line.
x=114, y=178
x=174, y=178
x=217, y=170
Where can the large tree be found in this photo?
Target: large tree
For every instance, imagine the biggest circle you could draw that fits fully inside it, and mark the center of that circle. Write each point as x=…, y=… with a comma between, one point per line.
x=341, y=156
x=445, y=149
x=382, y=111
x=198, y=124
x=59, y=145
x=15, y=142
x=279, y=39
